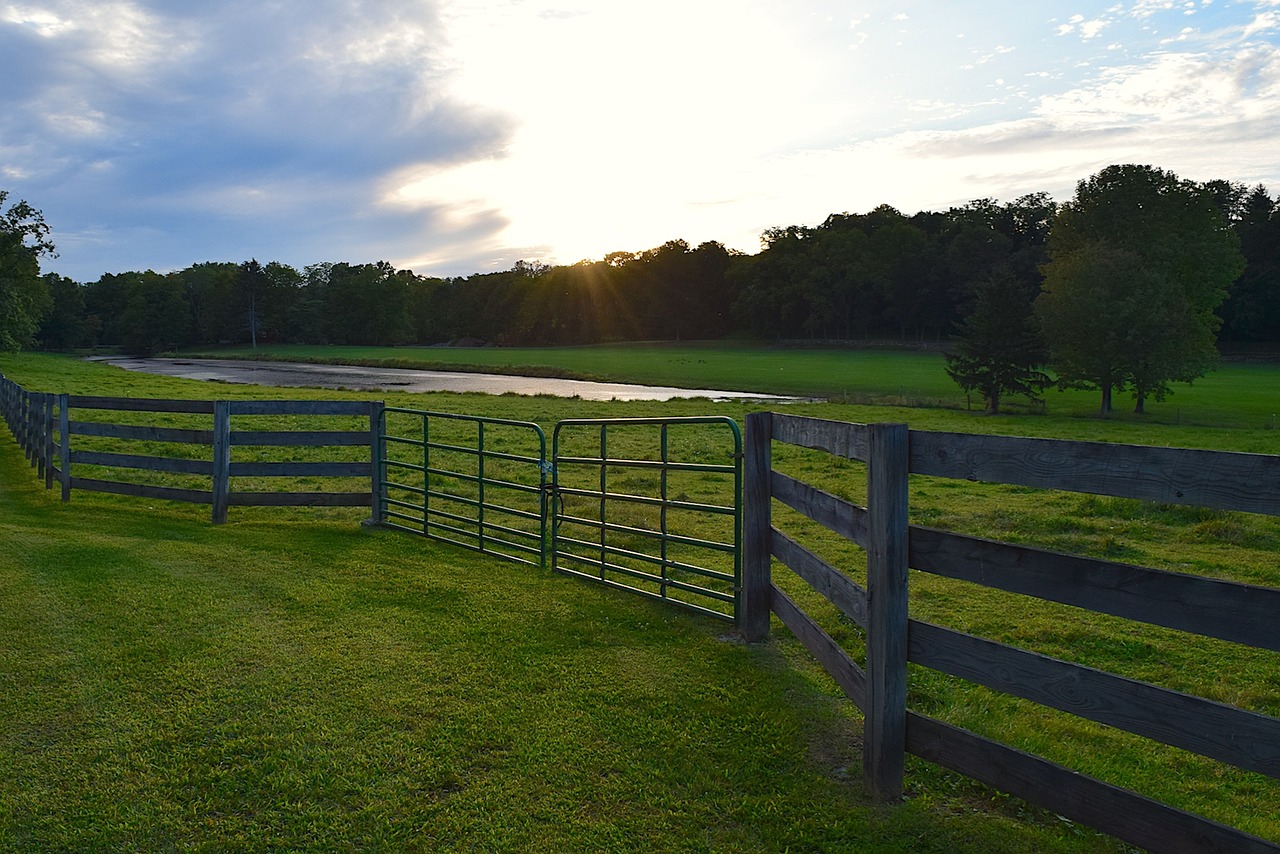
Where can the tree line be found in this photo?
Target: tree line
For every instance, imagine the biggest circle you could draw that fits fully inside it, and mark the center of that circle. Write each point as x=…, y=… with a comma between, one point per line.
x=673, y=291
x=875, y=275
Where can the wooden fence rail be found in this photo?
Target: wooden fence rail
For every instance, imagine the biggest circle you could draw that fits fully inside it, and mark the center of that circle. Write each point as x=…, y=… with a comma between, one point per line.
x=44, y=427
x=1241, y=613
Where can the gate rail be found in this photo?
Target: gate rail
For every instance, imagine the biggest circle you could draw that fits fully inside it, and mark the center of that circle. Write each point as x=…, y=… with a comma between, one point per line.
x=664, y=554
x=459, y=488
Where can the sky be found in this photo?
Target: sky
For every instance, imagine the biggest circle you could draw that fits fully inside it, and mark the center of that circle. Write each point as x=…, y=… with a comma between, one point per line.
x=453, y=137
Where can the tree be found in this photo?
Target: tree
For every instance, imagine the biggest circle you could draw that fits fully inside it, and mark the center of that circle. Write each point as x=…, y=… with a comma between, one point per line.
x=209, y=288
x=1138, y=262
x=65, y=326
x=156, y=314
x=1252, y=310
x=999, y=350
x=250, y=282
x=365, y=304
x=24, y=296
x=1089, y=307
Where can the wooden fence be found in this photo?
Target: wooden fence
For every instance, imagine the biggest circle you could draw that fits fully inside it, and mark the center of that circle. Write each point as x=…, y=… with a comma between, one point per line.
x=1240, y=613
x=46, y=426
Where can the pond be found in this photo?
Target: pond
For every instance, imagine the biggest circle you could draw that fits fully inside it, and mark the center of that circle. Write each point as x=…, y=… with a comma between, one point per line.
x=359, y=378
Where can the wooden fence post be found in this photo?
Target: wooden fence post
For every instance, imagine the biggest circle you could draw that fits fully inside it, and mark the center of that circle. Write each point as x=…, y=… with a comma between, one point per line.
x=64, y=447
x=38, y=432
x=885, y=736
x=377, y=463
x=46, y=439
x=757, y=542
x=29, y=427
x=221, y=486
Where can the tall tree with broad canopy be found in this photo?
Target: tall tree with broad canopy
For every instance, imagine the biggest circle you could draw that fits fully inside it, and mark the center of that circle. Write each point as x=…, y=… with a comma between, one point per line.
x=1139, y=260
x=24, y=295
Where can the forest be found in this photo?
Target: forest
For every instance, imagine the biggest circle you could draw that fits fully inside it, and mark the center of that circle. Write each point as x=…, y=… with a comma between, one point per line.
x=876, y=275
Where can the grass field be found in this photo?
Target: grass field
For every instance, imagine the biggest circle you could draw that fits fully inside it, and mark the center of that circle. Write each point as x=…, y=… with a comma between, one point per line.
x=290, y=681
x=1235, y=395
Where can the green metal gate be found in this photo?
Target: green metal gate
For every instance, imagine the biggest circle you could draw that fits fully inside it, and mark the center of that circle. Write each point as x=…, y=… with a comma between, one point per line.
x=648, y=505
x=651, y=505
x=480, y=483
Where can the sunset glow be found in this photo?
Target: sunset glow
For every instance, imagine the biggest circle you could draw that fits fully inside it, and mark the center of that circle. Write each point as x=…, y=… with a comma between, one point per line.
x=460, y=136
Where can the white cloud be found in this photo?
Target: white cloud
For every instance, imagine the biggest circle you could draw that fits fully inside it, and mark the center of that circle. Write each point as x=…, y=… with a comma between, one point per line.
x=41, y=21
x=1148, y=8
x=1263, y=22
x=1173, y=87
x=115, y=37
x=1088, y=29
x=1091, y=29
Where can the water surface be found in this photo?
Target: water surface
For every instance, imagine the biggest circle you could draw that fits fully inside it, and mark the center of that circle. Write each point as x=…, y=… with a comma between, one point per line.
x=360, y=378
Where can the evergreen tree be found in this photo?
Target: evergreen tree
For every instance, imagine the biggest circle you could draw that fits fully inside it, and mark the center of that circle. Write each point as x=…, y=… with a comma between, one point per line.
x=999, y=350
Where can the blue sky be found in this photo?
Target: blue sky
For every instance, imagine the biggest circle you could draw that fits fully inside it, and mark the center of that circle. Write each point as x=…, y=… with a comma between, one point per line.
x=458, y=136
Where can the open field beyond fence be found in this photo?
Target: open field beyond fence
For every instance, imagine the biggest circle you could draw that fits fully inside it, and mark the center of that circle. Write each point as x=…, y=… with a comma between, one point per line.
x=1236, y=394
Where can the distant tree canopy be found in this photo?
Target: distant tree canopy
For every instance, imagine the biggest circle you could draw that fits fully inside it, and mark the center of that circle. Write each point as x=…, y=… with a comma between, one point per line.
x=875, y=275
x=885, y=274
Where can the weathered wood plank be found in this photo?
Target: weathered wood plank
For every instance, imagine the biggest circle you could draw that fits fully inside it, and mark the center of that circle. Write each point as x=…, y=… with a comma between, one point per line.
x=377, y=461
x=884, y=754
x=168, y=493
x=140, y=404
x=835, y=514
x=1236, y=612
x=300, y=438
x=300, y=499
x=300, y=407
x=757, y=564
x=1119, y=812
x=1244, y=739
x=221, y=485
x=841, y=438
x=1219, y=479
x=316, y=469
x=848, y=675
x=136, y=461
x=837, y=587
x=49, y=447
x=64, y=450
x=146, y=434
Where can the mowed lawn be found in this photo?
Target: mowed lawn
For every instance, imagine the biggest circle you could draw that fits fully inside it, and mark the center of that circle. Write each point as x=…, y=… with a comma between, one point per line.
x=291, y=681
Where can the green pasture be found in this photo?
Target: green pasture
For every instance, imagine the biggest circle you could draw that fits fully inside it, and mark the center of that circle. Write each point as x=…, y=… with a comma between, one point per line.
x=292, y=681
x=1236, y=394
